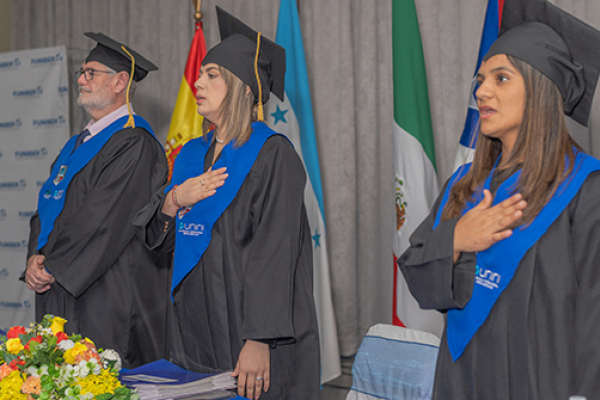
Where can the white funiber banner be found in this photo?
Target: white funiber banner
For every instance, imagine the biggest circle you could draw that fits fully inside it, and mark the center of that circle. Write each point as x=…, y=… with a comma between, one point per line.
x=34, y=115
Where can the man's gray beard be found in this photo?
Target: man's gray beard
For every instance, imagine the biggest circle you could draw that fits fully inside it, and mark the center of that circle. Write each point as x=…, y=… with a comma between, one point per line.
x=93, y=102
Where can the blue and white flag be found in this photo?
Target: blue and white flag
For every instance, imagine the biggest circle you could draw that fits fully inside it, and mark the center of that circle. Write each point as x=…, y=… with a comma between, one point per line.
x=468, y=139
x=294, y=118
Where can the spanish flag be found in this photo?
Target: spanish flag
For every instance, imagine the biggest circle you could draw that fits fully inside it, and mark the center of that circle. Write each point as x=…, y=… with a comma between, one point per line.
x=186, y=124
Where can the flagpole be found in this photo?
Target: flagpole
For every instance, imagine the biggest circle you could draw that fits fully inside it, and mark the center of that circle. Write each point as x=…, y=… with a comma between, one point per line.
x=198, y=15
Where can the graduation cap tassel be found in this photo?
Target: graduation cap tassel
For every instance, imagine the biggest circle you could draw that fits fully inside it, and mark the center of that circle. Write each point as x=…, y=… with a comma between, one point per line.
x=130, y=122
x=260, y=103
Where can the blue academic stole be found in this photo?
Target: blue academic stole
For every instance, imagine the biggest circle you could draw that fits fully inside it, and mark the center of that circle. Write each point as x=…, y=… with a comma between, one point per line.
x=497, y=265
x=51, y=199
x=194, y=227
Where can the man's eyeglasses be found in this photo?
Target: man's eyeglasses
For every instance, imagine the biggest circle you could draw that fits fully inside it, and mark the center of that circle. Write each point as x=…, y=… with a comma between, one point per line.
x=90, y=72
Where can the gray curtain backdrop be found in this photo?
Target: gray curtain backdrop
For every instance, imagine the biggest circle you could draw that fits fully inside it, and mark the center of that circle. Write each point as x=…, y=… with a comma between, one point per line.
x=348, y=50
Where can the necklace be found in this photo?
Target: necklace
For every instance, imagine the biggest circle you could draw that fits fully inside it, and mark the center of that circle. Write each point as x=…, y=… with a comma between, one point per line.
x=219, y=141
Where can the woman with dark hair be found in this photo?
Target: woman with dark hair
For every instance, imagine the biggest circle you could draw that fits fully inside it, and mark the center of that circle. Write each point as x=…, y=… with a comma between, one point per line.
x=235, y=218
x=511, y=250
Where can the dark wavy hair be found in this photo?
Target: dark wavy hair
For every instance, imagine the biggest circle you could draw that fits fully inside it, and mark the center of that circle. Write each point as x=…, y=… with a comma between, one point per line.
x=541, y=149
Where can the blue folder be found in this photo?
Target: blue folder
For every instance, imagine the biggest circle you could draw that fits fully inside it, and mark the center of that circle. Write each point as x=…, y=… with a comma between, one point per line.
x=165, y=369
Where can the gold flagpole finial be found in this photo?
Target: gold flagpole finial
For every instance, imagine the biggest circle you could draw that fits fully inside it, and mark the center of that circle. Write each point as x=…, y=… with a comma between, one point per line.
x=198, y=15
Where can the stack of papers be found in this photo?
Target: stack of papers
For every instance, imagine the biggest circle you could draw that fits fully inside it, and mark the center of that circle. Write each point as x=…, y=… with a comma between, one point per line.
x=162, y=380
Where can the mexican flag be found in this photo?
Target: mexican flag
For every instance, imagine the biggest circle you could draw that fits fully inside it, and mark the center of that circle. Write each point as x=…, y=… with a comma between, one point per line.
x=414, y=161
x=186, y=123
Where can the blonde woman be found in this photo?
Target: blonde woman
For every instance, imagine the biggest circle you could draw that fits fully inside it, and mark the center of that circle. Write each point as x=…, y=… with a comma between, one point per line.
x=235, y=218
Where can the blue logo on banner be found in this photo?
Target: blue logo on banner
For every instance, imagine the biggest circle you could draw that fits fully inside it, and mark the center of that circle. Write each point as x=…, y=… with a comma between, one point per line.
x=26, y=215
x=28, y=93
x=44, y=61
x=14, y=246
x=16, y=124
x=31, y=154
x=13, y=185
x=49, y=122
x=10, y=64
x=63, y=89
x=2, y=213
x=15, y=305
x=3, y=273
x=0, y=155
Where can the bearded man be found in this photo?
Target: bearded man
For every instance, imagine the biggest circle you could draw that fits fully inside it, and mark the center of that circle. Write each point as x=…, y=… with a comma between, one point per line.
x=84, y=261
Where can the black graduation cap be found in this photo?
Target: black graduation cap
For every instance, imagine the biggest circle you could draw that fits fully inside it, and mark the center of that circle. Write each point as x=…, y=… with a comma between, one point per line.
x=110, y=53
x=237, y=53
x=557, y=44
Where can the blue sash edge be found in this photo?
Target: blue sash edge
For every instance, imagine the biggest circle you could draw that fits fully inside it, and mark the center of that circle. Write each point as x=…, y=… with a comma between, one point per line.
x=48, y=211
x=458, y=335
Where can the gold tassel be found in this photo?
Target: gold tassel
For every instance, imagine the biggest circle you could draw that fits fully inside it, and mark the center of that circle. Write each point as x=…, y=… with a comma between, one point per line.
x=261, y=116
x=130, y=122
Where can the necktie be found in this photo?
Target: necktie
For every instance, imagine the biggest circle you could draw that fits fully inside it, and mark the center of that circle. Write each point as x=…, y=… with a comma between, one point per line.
x=81, y=138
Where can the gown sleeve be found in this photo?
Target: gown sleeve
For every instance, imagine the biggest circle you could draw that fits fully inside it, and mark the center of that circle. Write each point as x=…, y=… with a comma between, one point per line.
x=278, y=259
x=428, y=267
x=96, y=228
x=155, y=229
x=585, y=231
x=34, y=232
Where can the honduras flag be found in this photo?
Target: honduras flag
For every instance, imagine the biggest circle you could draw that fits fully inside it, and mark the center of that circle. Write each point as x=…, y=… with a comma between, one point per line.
x=294, y=118
x=468, y=139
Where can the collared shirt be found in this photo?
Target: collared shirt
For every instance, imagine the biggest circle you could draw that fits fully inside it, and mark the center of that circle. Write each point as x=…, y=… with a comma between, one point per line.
x=96, y=127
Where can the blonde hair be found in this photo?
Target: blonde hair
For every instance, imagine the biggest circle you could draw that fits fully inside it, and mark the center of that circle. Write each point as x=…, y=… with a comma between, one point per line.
x=238, y=111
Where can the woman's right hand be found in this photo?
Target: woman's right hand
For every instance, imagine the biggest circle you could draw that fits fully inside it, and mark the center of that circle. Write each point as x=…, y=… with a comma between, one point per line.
x=483, y=225
x=194, y=190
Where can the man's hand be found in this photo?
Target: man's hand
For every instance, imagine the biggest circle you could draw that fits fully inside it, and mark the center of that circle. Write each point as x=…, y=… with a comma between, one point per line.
x=36, y=276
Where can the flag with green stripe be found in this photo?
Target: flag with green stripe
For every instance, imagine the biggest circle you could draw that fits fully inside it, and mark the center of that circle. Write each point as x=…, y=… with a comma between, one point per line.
x=416, y=184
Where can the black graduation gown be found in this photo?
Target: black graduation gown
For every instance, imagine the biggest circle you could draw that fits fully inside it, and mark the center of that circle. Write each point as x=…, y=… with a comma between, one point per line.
x=108, y=286
x=540, y=340
x=255, y=279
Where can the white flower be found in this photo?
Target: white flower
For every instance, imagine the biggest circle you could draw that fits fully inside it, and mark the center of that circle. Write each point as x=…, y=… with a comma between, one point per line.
x=37, y=372
x=109, y=355
x=83, y=369
x=66, y=345
x=94, y=367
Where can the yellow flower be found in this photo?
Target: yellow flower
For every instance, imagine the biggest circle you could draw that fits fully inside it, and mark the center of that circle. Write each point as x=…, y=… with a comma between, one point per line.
x=58, y=325
x=105, y=382
x=14, y=345
x=10, y=387
x=73, y=352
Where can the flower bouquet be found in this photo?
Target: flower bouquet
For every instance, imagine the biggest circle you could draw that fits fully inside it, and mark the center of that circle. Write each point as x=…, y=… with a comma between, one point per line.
x=43, y=362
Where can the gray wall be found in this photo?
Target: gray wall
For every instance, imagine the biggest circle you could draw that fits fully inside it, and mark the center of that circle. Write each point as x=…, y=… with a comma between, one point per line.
x=4, y=25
